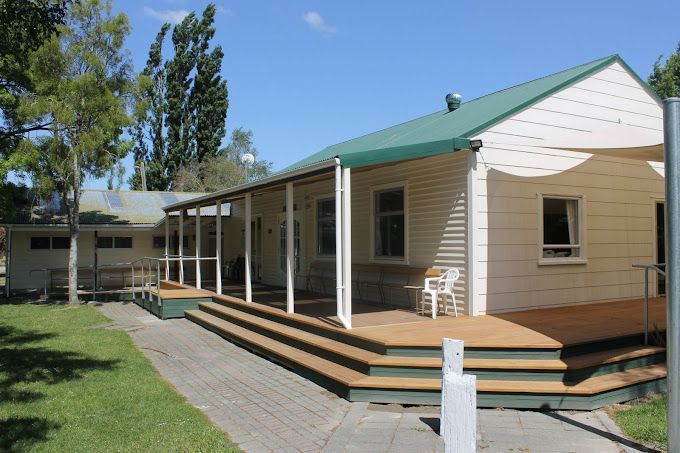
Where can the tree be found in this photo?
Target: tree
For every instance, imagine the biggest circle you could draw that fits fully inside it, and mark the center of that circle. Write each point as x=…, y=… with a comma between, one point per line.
x=665, y=78
x=180, y=120
x=224, y=170
x=26, y=25
x=208, y=99
x=149, y=115
x=82, y=80
x=182, y=104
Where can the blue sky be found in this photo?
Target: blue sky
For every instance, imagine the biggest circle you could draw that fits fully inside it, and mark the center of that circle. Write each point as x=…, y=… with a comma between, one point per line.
x=306, y=74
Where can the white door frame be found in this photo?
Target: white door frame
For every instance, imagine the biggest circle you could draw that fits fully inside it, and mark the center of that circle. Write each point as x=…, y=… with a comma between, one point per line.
x=281, y=273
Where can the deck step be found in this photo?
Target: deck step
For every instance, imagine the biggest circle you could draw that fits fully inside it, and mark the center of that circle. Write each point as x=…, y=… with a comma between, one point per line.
x=359, y=386
x=375, y=364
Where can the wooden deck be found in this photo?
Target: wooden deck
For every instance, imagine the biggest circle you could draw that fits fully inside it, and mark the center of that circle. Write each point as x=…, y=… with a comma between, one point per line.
x=579, y=357
x=393, y=326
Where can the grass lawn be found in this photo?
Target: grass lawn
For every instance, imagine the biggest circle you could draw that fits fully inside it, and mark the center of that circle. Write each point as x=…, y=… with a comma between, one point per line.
x=66, y=385
x=645, y=421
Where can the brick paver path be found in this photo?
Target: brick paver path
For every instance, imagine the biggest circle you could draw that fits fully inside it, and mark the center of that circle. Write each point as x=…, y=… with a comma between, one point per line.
x=264, y=407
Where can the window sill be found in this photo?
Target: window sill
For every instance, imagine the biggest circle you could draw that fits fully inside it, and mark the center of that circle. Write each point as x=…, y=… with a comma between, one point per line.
x=560, y=261
x=377, y=260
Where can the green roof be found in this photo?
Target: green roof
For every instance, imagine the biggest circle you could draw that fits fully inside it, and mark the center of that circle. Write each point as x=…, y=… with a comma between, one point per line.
x=445, y=131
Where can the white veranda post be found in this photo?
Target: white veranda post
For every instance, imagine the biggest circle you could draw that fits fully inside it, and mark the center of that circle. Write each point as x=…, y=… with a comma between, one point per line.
x=167, y=245
x=218, y=247
x=198, y=247
x=248, y=247
x=180, y=246
x=290, y=249
x=347, y=245
x=343, y=245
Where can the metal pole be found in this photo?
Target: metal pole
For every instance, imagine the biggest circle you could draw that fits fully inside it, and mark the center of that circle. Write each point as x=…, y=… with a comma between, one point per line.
x=167, y=245
x=646, y=306
x=339, y=249
x=671, y=114
x=347, y=245
x=181, y=245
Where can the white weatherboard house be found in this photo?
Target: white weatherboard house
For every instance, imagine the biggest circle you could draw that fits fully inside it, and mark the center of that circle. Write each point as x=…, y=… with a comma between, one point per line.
x=528, y=224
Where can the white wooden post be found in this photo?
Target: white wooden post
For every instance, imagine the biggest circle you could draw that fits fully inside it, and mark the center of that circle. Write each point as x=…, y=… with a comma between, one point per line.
x=167, y=245
x=347, y=246
x=458, y=422
x=339, y=249
x=218, y=247
x=290, y=249
x=198, y=247
x=249, y=289
x=180, y=246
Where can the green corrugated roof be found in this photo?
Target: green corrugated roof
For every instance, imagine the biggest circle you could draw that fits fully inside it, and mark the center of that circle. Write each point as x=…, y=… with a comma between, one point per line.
x=445, y=131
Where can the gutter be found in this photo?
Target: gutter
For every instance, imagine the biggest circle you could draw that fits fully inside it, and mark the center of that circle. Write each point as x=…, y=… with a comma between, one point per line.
x=325, y=166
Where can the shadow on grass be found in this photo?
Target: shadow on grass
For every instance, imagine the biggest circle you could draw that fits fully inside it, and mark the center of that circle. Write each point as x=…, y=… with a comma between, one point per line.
x=22, y=363
x=20, y=433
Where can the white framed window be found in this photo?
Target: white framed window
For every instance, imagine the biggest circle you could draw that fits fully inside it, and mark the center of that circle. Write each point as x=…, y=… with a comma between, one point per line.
x=561, y=229
x=389, y=223
x=325, y=226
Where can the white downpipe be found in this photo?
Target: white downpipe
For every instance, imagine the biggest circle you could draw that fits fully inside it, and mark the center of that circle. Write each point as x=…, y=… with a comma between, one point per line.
x=248, y=251
x=290, y=249
x=339, y=249
x=167, y=246
x=198, y=247
x=218, y=247
x=347, y=245
x=180, y=247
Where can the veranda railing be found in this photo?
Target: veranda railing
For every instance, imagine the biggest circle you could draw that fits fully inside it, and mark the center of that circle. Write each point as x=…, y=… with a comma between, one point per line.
x=659, y=268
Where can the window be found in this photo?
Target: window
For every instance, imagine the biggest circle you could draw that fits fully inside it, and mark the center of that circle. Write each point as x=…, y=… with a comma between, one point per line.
x=61, y=242
x=46, y=242
x=173, y=242
x=158, y=242
x=122, y=242
x=114, y=242
x=389, y=227
x=325, y=227
x=104, y=242
x=40, y=242
x=561, y=229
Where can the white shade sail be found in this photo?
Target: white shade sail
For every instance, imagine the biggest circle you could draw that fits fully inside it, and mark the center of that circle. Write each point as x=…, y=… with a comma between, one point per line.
x=617, y=140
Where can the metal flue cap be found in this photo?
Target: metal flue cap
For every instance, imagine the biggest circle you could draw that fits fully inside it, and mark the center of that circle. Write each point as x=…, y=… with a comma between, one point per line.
x=453, y=101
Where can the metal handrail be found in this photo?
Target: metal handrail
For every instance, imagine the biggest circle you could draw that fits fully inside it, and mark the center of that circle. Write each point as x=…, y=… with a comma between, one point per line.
x=647, y=267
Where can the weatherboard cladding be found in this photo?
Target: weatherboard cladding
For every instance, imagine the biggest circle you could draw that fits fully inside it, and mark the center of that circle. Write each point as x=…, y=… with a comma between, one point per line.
x=446, y=131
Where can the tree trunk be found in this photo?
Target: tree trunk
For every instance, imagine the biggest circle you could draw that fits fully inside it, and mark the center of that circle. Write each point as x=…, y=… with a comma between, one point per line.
x=74, y=230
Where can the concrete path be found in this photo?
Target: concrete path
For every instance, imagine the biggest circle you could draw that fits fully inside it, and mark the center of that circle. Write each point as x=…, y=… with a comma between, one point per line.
x=264, y=407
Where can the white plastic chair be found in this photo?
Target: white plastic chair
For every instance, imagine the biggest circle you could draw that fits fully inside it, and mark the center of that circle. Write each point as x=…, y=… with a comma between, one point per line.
x=440, y=286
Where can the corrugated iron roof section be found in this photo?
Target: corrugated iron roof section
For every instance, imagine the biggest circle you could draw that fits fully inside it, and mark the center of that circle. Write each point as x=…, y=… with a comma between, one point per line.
x=105, y=207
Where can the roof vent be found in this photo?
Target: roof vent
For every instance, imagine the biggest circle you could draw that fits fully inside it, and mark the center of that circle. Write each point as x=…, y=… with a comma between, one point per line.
x=453, y=101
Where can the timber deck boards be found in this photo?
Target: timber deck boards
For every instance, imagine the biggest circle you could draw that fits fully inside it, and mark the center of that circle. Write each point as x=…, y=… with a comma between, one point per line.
x=180, y=293
x=546, y=328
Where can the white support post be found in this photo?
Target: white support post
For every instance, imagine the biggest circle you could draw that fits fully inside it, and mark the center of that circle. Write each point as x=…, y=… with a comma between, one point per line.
x=339, y=288
x=249, y=246
x=218, y=247
x=347, y=245
x=290, y=249
x=458, y=422
x=167, y=246
x=198, y=247
x=180, y=246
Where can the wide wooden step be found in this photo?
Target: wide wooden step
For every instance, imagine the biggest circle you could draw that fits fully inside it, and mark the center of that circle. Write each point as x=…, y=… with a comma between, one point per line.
x=374, y=359
x=292, y=334
x=354, y=379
